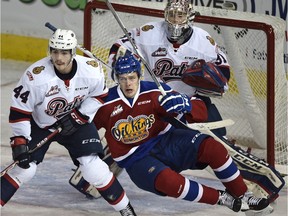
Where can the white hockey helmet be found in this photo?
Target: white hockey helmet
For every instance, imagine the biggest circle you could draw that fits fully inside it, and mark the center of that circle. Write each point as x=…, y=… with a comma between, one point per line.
x=63, y=40
x=179, y=16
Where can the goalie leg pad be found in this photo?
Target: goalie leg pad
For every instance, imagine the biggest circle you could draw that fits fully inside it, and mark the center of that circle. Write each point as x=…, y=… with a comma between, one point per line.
x=266, y=179
x=78, y=182
x=90, y=191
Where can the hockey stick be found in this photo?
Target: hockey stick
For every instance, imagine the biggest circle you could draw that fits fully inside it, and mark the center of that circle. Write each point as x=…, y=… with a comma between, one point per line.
x=85, y=51
x=111, y=8
x=39, y=145
x=211, y=125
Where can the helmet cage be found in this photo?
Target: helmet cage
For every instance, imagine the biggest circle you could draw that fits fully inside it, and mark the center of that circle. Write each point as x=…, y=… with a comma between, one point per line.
x=179, y=17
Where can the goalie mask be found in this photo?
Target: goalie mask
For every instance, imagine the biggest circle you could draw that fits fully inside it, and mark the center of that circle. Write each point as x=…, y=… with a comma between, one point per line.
x=126, y=64
x=179, y=17
x=63, y=40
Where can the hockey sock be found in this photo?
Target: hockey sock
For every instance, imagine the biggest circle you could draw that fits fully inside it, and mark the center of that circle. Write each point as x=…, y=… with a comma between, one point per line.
x=175, y=185
x=170, y=183
x=114, y=194
x=216, y=156
x=209, y=196
x=8, y=188
x=196, y=192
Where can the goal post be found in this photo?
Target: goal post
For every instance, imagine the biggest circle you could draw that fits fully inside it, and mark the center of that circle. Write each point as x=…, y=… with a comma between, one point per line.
x=254, y=45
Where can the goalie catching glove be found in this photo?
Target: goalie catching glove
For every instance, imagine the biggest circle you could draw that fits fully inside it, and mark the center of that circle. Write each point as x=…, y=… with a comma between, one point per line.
x=176, y=102
x=206, y=78
x=72, y=122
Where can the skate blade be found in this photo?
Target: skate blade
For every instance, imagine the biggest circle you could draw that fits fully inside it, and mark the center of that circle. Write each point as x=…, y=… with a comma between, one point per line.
x=268, y=210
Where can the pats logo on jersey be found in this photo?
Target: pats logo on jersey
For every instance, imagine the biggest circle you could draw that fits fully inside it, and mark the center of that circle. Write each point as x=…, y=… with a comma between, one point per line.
x=147, y=27
x=92, y=63
x=59, y=106
x=132, y=130
x=37, y=70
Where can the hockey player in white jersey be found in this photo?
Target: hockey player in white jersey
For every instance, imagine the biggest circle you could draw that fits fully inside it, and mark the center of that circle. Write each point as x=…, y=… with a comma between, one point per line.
x=173, y=48
x=63, y=90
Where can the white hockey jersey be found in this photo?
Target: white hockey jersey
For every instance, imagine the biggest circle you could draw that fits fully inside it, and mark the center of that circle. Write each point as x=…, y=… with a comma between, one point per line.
x=40, y=93
x=167, y=62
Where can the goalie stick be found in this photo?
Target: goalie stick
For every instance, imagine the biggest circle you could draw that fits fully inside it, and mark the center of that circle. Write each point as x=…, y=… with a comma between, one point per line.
x=39, y=145
x=211, y=125
x=84, y=50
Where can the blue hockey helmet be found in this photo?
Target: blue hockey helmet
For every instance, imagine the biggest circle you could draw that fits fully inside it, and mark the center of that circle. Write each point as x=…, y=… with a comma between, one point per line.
x=126, y=64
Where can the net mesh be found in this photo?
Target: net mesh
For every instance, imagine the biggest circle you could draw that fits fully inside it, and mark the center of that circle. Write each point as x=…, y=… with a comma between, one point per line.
x=246, y=48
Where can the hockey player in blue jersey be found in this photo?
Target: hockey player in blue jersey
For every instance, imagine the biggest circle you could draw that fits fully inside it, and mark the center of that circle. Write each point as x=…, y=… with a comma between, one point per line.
x=153, y=152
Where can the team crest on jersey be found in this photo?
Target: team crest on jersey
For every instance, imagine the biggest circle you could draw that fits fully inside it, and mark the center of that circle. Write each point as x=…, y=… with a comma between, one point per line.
x=212, y=41
x=147, y=27
x=167, y=71
x=59, y=106
x=37, y=70
x=53, y=90
x=160, y=52
x=117, y=109
x=133, y=130
x=30, y=76
x=92, y=63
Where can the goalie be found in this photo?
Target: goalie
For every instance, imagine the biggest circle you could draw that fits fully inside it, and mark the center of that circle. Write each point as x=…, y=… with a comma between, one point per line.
x=178, y=53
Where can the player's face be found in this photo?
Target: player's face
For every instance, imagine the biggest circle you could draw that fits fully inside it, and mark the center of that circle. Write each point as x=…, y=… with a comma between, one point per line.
x=129, y=84
x=62, y=60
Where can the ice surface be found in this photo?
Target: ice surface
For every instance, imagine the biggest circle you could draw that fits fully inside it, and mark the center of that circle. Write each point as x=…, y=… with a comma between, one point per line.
x=49, y=192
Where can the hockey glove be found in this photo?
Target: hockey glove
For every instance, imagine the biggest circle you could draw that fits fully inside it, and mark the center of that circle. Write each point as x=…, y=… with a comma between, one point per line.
x=20, y=151
x=206, y=77
x=176, y=102
x=71, y=122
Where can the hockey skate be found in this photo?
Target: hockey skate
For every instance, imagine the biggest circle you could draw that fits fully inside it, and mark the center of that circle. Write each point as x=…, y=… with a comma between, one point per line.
x=256, y=206
x=228, y=200
x=128, y=211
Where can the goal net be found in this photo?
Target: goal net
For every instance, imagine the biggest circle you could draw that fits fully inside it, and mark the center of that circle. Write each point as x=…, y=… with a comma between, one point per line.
x=254, y=45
